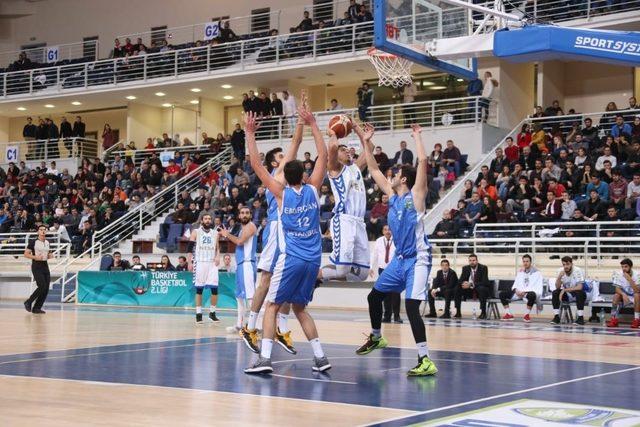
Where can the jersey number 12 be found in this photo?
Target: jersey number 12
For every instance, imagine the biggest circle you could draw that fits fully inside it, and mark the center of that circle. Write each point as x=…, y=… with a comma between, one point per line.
x=303, y=222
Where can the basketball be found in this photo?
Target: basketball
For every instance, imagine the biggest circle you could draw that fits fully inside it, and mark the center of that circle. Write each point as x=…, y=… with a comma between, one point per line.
x=341, y=125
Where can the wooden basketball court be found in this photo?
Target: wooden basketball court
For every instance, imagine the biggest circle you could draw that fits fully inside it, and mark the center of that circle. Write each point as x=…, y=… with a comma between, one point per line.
x=108, y=366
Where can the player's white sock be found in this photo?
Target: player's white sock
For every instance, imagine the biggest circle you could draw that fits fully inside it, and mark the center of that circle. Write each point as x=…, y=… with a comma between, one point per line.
x=423, y=349
x=282, y=323
x=317, y=348
x=199, y=309
x=508, y=310
x=636, y=314
x=376, y=333
x=265, y=349
x=240, y=313
x=212, y=308
x=247, y=311
x=253, y=318
x=329, y=273
x=556, y=311
x=580, y=313
x=529, y=310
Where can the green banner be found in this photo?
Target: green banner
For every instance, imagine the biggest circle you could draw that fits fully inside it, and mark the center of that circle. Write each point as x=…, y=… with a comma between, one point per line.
x=150, y=288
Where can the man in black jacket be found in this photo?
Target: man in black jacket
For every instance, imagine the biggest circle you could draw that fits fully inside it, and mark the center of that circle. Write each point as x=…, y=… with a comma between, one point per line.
x=66, y=133
x=474, y=277
x=29, y=134
x=444, y=284
x=79, y=127
x=53, y=136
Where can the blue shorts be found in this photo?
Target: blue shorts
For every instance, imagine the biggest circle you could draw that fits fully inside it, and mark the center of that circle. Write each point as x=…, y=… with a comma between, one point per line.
x=293, y=280
x=246, y=280
x=410, y=274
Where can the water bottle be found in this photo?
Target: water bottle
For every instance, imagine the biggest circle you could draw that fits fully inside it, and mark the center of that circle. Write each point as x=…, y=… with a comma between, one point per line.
x=475, y=317
x=601, y=315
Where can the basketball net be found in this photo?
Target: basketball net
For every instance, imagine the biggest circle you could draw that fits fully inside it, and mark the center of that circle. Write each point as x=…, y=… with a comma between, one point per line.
x=394, y=71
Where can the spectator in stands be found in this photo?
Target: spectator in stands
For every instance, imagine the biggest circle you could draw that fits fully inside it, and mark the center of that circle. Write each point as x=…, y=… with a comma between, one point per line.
x=484, y=174
x=381, y=158
x=378, y=216
x=108, y=138
x=353, y=10
x=136, y=265
x=404, y=156
x=520, y=196
x=594, y=208
x=627, y=283
x=524, y=136
x=539, y=138
x=226, y=33
x=471, y=213
x=553, y=209
x=498, y=163
x=570, y=285
x=474, y=278
x=182, y=264
x=550, y=170
x=568, y=207
x=119, y=264
x=447, y=228
x=554, y=109
x=444, y=285
x=118, y=50
x=487, y=93
x=527, y=285
x=365, y=97
x=620, y=128
x=633, y=192
x=241, y=179
x=452, y=158
x=601, y=188
x=607, y=156
x=166, y=265
x=335, y=105
x=290, y=108
x=306, y=24
x=485, y=189
x=511, y=152
x=363, y=14
x=618, y=190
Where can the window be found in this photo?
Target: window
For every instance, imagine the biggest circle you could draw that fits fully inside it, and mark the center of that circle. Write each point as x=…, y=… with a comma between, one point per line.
x=158, y=35
x=220, y=19
x=90, y=47
x=260, y=19
x=322, y=10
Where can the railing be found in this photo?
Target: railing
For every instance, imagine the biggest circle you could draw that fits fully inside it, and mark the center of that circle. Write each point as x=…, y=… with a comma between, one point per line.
x=76, y=264
x=48, y=149
x=588, y=252
x=602, y=120
x=138, y=156
x=79, y=51
x=595, y=229
x=545, y=11
x=136, y=219
x=12, y=244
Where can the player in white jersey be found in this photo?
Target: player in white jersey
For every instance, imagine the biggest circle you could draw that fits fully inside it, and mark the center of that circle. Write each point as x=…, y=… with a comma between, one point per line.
x=350, y=256
x=274, y=163
x=571, y=285
x=246, y=264
x=627, y=283
x=203, y=259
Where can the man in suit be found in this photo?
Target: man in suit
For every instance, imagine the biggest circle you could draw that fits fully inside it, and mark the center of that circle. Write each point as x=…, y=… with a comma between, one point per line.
x=474, y=277
x=444, y=284
x=383, y=253
x=78, y=128
x=404, y=156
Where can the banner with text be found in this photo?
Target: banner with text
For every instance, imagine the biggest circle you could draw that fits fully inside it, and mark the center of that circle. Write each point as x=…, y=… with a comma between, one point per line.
x=149, y=289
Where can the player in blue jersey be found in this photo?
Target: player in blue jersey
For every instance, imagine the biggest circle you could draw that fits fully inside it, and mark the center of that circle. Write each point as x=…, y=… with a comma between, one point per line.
x=274, y=162
x=410, y=267
x=299, y=240
x=246, y=271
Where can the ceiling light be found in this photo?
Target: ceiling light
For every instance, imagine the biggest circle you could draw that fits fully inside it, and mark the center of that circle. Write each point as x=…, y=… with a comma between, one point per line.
x=159, y=93
x=425, y=83
x=195, y=90
x=76, y=103
x=21, y=109
x=228, y=97
x=437, y=87
x=459, y=80
x=194, y=101
x=131, y=97
x=49, y=106
x=226, y=86
x=166, y=104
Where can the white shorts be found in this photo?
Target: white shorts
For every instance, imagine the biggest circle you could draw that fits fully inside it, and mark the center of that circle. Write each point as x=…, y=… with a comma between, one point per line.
x=270, y=250
x=350, y=241
x=205, y=274
x=246, y=280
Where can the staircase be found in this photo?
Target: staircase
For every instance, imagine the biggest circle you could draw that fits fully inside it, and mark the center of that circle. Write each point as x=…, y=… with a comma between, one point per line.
x=149, y=232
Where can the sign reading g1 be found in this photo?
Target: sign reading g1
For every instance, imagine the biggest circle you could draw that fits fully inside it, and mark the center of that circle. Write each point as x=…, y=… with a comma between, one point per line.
x=51, y=54
x=12, y=153
x=211, y=30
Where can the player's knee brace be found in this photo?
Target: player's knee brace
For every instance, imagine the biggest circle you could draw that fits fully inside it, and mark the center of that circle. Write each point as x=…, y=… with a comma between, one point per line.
x=357, y=274
x=531, y=298
x=199, y=291
x=417, y=325
x=214, y=291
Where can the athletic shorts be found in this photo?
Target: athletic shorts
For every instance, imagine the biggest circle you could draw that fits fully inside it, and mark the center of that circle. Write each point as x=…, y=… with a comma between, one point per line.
x=205, y=274
x=350, y=241
x=270, y=250
x=246, y=280
x=628, y=291
x=406, y=274
x=293, y=280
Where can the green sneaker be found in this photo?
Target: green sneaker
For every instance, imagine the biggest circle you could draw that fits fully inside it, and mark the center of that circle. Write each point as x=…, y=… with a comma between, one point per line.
x=371, y=344
x=424, y=368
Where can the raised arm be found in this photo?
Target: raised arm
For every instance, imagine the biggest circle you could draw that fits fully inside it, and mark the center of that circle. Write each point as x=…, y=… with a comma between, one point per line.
x=247, y=233
x=419, y=189
x=365, y=140
x=320, y=169
x=333, y=165
x=372, y=165
x=251, y=125
x=292, y=151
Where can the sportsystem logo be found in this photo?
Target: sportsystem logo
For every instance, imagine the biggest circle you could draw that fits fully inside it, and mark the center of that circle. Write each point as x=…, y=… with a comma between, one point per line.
x=607, y=45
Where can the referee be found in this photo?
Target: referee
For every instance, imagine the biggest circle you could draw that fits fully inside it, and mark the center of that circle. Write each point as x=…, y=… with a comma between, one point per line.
x=38, y=251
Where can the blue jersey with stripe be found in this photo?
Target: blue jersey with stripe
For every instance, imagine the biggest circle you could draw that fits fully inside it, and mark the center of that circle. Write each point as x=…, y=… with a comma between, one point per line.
x=272, y=204
x=407, y=226
x=300, y=223
x=247, y=252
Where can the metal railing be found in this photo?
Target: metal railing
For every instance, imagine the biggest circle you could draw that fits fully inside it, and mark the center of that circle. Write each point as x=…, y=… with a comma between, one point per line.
x=595, y=229
x=12, y=244
x=48, y=149
x=61, y=53
x=138, y=156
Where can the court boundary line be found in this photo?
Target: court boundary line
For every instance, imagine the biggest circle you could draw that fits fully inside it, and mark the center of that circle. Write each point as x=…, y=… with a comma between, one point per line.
x=198, y=390
x=498, y=396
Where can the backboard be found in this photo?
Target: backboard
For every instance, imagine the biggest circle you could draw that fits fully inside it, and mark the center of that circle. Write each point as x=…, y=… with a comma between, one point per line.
x=405, y=27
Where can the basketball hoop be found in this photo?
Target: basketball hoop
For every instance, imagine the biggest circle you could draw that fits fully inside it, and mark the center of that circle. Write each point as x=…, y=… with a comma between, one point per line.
x=394, y=71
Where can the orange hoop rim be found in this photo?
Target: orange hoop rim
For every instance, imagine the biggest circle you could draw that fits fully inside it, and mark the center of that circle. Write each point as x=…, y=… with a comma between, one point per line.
x=372, y=51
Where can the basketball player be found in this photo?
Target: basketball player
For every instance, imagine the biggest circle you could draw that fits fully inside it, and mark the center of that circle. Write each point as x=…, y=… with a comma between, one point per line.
x=570, y=286
x=274, y=162
x=246, y=264
x=350, y=257
x=299, y=240
x=409, y=269
x=39, y=252
x=627, y=284
x=203, y=259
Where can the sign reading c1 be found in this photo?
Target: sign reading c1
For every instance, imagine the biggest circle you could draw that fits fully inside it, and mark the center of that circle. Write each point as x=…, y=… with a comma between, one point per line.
x=12, y=153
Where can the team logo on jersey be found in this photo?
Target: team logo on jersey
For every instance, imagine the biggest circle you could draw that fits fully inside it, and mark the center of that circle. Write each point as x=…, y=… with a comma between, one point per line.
x=408, y=203
x=577, y=416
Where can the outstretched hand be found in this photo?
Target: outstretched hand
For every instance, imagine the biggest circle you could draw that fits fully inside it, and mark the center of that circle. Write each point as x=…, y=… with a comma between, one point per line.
x=416, y=129
x=251, y=122
x=306, y=116
x=369, y=130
